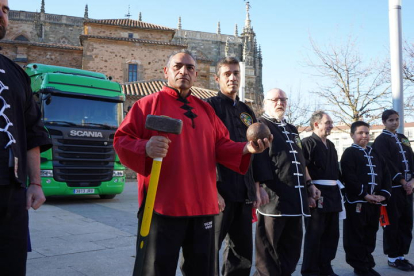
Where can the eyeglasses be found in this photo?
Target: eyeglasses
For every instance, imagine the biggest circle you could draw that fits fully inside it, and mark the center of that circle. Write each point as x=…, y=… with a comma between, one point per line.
x=282, y=100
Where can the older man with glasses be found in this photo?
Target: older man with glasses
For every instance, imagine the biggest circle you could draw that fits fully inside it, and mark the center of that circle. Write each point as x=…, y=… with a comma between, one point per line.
x=281, y=170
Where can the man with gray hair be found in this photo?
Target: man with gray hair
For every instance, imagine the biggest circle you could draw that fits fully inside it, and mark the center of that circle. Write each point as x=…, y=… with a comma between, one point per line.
x=186, y=199
x=281, y=169
x=322, y=228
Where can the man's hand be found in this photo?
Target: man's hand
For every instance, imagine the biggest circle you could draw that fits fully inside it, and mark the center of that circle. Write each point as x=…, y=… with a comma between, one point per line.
x=250, y=147
x=258, y=202
x=264, y=197
x=314, y=192
x=34, y=197
x=221, y=203
x=157, y=147
x=371, y=198
x=312, y=202
x=408, y=187
x=261, y=195
x=380, y=198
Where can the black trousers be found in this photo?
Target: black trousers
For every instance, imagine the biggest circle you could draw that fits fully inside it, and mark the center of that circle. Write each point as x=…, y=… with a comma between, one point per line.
x=398, y=235
x=195, y=235
x=278, y=245
x=235, y=226
x=360, y=234
x=321, y=242
x=13, y=230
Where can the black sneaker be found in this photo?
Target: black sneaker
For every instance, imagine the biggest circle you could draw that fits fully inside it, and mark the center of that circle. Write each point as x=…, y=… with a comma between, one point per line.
x=373, y=272
x=408, y=262
x=400, y=264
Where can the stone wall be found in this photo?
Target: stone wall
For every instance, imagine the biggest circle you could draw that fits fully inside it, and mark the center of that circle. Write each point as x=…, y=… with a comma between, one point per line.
x=46, y=28
x=211, y=45
x=25, y=28
x=203, y=77
x=59, y=57
x=112, y=58
x=25, y=53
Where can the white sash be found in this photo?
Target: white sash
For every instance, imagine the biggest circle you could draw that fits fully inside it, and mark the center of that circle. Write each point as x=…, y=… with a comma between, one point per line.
x=323, y=182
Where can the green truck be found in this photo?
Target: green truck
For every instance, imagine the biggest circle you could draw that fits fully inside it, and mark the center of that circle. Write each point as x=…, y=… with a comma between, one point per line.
x=81, y=110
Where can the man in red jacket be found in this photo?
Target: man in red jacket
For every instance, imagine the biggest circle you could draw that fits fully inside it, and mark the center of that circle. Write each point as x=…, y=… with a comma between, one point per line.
x=187, y=195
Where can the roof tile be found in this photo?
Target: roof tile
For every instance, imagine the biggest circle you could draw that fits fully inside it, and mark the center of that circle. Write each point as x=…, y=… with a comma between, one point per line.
x=129, y=23
x=144, y=88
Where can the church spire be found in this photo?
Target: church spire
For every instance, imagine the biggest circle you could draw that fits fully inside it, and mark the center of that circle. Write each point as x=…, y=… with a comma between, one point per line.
x=179, y=23
x=247, y=22
x=218, y=28
x=140, y=16
x=42, y=7
x=236, y=32
x=86, y=15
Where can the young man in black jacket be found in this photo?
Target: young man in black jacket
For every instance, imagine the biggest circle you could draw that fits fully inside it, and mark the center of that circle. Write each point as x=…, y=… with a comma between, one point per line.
x=237, y=193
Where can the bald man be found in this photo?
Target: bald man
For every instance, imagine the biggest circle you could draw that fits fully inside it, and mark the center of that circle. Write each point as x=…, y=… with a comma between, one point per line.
x=281, y=170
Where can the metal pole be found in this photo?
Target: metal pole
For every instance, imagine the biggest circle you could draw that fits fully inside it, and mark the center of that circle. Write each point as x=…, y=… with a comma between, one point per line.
x=396, y=60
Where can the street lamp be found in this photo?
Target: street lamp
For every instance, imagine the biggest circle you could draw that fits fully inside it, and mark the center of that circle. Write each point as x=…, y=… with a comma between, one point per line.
x=396, y=59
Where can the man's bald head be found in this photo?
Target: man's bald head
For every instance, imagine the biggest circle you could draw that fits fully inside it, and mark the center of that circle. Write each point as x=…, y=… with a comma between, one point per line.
x=275, y=103
x=275, y=92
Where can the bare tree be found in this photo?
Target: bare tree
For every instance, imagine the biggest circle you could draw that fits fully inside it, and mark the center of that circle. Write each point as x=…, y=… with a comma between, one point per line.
x=352, y=89
x=408, y=67
x=298, y=111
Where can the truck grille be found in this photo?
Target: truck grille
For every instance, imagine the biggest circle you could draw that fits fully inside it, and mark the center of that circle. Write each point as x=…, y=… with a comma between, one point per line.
x=82, y=162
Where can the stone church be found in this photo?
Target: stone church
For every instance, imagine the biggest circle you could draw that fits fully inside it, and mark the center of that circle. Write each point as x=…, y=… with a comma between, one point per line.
x=132, y=52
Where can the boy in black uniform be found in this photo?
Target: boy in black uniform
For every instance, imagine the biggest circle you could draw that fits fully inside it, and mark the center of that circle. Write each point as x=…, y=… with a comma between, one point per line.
x=238, y=191
x=367, y=186
x=322, y=228
x=397, y=152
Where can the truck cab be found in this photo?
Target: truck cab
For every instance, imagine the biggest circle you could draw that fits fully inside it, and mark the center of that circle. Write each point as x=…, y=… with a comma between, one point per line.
x=81, y=111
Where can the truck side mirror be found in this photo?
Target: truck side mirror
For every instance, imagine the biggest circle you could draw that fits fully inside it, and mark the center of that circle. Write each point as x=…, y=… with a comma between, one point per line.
x=47, y=98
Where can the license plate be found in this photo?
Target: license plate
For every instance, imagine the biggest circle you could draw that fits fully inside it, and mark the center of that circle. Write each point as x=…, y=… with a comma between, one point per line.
x=83, y=191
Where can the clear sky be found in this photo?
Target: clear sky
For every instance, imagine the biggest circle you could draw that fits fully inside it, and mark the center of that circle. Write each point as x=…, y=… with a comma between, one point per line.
x=282, y=27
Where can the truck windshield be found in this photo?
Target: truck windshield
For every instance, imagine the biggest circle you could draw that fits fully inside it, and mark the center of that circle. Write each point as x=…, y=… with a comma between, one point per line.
x=82, y=112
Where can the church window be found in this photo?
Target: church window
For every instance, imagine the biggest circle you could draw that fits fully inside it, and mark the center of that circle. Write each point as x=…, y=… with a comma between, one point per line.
x=21, y=38
x=130, y=35
x=132, y=72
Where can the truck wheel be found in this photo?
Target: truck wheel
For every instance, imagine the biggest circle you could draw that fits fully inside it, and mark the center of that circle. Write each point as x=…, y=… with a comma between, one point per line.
x=107, y=196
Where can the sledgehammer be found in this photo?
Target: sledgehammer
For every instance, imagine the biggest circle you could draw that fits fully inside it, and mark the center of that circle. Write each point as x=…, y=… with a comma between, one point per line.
x=162, y=124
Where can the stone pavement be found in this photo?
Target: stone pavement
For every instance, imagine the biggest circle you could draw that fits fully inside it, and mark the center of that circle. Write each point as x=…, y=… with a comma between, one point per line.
x=88, y=236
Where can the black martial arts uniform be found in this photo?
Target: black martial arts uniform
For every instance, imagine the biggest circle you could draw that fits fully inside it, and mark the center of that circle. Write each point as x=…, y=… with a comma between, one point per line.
x=20, y=130
x=238, y=191
x=322, y=228
x=364, y=173
x=397, y=151
x=279, y=228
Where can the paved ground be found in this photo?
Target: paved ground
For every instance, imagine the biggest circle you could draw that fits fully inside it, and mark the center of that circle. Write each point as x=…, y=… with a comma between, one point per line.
x=90, y=236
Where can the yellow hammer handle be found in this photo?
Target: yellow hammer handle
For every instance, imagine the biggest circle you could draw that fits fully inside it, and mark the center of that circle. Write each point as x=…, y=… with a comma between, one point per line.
x=152, y=191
